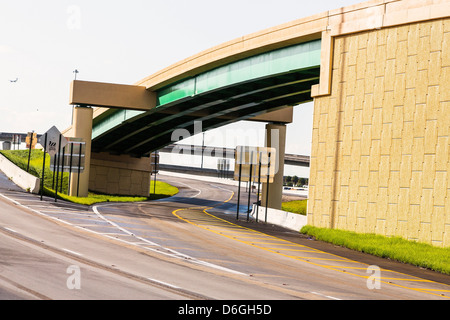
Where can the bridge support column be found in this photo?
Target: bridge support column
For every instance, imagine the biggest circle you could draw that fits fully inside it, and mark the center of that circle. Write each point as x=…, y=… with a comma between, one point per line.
x=275, y=138
x=82, y=128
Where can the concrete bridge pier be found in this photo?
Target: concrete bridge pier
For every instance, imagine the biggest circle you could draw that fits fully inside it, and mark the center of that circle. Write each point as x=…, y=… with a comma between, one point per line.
x=275, y=138
x=82, y=128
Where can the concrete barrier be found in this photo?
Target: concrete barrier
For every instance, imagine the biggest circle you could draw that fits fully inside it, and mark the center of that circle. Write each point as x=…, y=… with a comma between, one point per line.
x=281, y=218
x=20, y=177
x=211, y=179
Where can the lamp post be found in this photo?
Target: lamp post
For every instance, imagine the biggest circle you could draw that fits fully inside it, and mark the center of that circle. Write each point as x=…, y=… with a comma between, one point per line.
x=75, y=72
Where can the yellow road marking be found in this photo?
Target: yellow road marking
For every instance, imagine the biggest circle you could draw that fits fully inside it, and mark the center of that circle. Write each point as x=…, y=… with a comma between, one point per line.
x=284, y=242
x=296, y=250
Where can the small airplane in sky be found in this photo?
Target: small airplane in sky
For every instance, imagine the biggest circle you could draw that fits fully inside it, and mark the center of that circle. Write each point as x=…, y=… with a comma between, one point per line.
x=13, y=81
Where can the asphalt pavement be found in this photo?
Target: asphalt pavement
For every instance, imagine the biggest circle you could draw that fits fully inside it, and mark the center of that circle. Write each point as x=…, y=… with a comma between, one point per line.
x=190, y=246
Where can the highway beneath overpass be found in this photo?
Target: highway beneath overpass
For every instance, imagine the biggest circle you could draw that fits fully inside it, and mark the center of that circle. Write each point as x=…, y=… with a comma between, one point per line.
x=189, y=246
x=228, y=153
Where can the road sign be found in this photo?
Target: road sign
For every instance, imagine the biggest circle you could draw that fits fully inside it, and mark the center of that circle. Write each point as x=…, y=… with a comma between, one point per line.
x=154, y=162
x=71, y=158
x=31, y=137
x=223, y=164
x=249, y=158
x=16, y=139
x=55, y=141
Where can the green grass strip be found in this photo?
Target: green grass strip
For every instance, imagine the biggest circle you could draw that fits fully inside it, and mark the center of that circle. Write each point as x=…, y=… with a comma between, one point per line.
x=163, y=190
x=394, y=248
x=20, y=159
x=296, y=206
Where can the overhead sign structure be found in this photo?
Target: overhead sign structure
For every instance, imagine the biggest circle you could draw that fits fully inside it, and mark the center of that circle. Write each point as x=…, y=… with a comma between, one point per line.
x=248, y=159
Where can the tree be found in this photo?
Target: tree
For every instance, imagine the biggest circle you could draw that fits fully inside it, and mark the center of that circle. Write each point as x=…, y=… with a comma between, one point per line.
x=302, y=182
x=288, y=180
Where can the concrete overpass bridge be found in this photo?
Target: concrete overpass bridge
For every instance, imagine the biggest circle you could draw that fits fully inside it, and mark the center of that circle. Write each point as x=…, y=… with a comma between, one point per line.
x=239, y=90
x=379, y=74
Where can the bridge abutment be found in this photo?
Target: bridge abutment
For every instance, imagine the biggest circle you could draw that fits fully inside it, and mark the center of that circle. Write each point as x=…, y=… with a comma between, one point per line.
x=380, y=150
x=120, y=175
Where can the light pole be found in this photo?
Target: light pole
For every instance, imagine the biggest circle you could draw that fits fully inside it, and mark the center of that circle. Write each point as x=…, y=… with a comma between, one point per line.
x=75, y=72
x=203, y=147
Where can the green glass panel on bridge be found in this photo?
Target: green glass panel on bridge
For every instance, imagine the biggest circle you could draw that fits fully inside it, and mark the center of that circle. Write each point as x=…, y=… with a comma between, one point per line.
x=297, y=57
x=112, y=120
x=177, y=91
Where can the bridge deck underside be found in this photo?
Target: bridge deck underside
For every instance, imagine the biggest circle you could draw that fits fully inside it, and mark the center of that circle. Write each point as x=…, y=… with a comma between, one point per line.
x=152, y=130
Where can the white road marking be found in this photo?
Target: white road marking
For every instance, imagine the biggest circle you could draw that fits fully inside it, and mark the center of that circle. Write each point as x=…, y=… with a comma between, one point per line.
x=66, y=212
x=219, y=187
x=72, y=252
x=164, y=283
x=158, y=248
x=186, y=185
x=325, y=296
x=169, y=252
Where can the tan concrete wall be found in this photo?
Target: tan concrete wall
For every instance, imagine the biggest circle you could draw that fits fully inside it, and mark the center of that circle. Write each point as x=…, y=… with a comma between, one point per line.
x=82, y=128
x=120, y=175
x=380, y=158
x=275, y=138
x=111, y=95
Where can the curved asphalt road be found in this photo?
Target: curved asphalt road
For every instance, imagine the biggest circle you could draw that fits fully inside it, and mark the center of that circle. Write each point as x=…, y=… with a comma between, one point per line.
x=186, y=247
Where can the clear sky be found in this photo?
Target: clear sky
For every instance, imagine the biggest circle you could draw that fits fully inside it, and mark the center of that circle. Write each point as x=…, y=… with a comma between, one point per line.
x=43, y=42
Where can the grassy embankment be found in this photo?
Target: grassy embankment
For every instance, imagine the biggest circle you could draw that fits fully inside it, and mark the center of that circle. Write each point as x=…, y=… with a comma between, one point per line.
x=20, y=158
x=394, y=248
